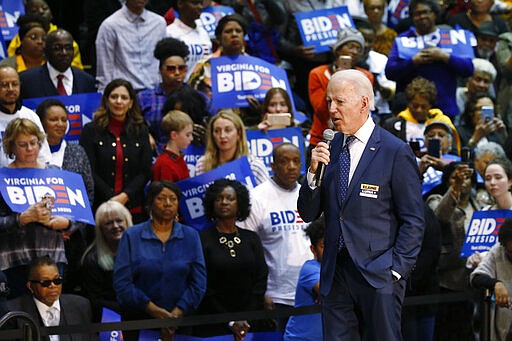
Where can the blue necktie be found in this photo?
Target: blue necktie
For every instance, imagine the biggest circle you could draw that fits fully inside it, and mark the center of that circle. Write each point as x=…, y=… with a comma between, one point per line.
x=344, y=172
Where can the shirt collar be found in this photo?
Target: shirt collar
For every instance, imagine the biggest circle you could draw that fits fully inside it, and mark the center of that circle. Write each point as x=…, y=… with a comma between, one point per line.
x=68, y=74
x=364, y=133
x=132, y=17
x=177, y=231
x=43, y=308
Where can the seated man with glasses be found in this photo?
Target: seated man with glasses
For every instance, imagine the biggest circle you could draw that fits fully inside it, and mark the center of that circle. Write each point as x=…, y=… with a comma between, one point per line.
x=46, y=304
x=56, y=77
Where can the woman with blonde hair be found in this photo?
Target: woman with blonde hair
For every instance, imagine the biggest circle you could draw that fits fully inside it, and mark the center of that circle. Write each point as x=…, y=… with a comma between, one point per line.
x=112, y=219
x=225, y=142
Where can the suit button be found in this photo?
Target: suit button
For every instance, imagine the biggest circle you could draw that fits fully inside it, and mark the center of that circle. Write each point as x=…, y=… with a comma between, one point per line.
x=341, y=218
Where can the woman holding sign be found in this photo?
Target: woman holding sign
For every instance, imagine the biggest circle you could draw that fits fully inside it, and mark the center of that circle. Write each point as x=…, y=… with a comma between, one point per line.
x=225, y=142
x=117, y=144
x=34, y=232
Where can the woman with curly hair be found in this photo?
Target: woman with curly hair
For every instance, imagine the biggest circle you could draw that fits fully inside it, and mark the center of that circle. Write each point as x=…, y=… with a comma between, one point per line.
x=117, y=144
x=225, y=142
x=235, y=264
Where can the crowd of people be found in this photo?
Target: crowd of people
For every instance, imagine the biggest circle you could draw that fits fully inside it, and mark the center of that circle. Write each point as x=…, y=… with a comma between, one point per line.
x=151, y=62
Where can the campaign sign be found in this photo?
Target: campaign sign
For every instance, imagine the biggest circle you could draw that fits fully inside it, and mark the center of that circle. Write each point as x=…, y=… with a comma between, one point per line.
x=433, y=177
x=154, y=335
x=320, y=28
x=397, y=10
x=192, y=154
x=457, y=42
x=236, y=77
x=3, y=48
x=193, y=189
x=110, y=316
x=483, y=231
x=10, y=10
x=262, y=145
x=22, y=187
x=80, y=107
x=211, y=15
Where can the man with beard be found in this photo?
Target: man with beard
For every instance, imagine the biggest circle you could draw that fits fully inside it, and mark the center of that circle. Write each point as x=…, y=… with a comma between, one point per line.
x=495, y=273
x=57, y=76
x=275, y=219
x=11, y=108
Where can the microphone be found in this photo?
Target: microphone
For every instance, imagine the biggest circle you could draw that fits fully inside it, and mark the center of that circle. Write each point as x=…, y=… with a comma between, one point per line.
x=328, y=136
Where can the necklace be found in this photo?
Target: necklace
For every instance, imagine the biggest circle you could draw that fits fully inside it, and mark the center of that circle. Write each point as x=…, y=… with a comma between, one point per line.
x=230, y=242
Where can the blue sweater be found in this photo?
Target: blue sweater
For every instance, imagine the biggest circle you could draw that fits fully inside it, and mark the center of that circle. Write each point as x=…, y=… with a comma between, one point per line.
x=169, y=274
x=402, y=71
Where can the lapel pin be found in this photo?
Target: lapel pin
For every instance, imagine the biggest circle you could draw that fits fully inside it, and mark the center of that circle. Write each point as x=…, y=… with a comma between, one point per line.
x=372, y=149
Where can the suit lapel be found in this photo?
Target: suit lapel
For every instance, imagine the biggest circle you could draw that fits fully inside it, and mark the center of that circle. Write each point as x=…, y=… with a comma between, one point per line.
x=49, y=87
x=371, y=149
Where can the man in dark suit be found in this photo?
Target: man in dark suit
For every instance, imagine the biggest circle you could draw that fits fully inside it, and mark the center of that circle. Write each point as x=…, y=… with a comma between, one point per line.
x=48, y=306
x=371, y=199
x=56, y=77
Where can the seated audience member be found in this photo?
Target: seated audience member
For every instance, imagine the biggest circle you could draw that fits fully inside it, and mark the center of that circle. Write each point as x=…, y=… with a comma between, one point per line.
x=171, y=54
x=48, y=306
x=170, y=165
x=308, y=327
x=57, y=77
x=284, y=242
x=375, y=10
x=32, y=35
x=375, y=62
x=159, y=269
x=432, y=62
x=225, y=142
x=409, y=125
x=41, y=8
x=117, y=144
x=70, y=157
x=125, y=44
x=235, y=263
x=453, y=207
x=97, y=264
x=347, y=51
x=481, y=81
x=11, y=108
x=495, y=273
x=486, y=41
x=276, y=101
x=475, y=129
x=34, y=232
x=186, y=29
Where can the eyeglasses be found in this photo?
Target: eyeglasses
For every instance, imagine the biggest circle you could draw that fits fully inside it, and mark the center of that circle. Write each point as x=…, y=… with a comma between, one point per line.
x=172, y=68
x=59, y=47
x=7, y=85
x=25, y=145
x=47, y=282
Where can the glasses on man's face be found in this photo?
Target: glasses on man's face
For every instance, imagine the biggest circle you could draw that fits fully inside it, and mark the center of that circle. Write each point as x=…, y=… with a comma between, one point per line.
x=172, y=69
x=26, y=145
x=59, y=48
x=7, y=85
x=45, y=283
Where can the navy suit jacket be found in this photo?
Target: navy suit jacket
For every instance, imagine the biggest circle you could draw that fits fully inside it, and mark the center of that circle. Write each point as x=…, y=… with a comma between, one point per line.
x=382, y=217
x=73, y=310
x=36, y=82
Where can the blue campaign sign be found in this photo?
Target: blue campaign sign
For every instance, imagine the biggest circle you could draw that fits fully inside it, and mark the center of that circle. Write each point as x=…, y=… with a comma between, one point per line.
x=320, y=28
x=236, y=77
x=81, y=108
x=397, y=10
x=3, y=48
x=211, y=15
x=262, y=145
x=154, y=335
x=10, y=10
x=192, y=154
x=110, y=316
x=433, y=177
x=457, y=42
x=193, y=189
x=22, y=187
x=483, y=231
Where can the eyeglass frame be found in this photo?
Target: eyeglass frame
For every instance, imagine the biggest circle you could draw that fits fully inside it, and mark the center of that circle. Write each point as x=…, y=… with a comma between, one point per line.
x=45, y=283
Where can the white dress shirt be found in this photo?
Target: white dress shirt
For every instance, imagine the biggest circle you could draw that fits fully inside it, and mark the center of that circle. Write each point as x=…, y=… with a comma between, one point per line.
x=45, y=315
x=67, y=80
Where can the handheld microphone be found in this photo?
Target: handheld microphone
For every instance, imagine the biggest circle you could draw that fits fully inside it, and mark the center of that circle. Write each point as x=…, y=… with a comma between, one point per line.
x=328, y=136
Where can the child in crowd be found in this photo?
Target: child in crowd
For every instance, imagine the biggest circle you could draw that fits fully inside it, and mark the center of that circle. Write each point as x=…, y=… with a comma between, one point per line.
x=170, y=165
x=308, y=327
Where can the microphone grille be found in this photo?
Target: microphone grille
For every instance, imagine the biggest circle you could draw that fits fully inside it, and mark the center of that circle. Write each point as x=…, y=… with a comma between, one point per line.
x=328, y=135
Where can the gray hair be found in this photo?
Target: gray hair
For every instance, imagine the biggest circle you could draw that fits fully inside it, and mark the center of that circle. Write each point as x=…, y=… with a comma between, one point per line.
x=483, y=65
x=489, y=148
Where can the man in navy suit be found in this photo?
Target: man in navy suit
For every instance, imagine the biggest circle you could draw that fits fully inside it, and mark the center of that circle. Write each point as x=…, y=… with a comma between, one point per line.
x=43, y=81
x=374, y=234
